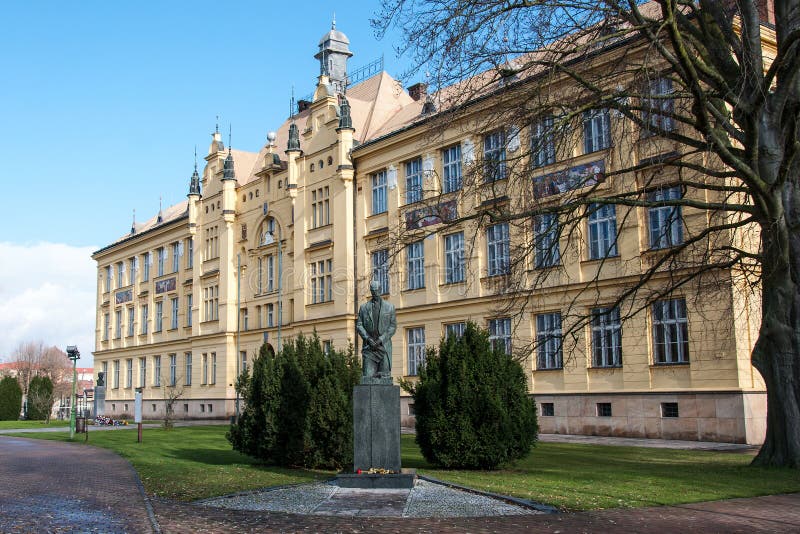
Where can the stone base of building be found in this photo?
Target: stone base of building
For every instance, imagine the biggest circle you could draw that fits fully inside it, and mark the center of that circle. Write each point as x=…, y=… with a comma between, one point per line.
x=730, y=417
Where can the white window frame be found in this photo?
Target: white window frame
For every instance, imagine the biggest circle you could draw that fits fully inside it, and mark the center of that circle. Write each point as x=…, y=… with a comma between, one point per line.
x=415, y=349
x=159, y=316
x=546, y=241
x=606, y=337
x=131, y=320
x=494, y=156
x=157, y=371
x=658, y=106
x=665, y=223
x=549, y=350
x=543, y=147
x=498, y=250
x=379, y=192
x=415, y=265
x=380, y=269
x=455, y=329
x=451, y=168
x=602, y=231
x=145, y=313
x=413, y=170
x=173, y=369
x=670, y=332
x=454, y=258
x=500, y=333
x=174, y=314
x=187, y=364
x=596, y=130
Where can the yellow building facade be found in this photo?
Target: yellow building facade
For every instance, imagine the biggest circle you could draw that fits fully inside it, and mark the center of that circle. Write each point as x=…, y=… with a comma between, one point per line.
x=355, y=187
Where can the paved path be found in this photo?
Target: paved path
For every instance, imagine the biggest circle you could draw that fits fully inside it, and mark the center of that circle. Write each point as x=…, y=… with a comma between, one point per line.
x=95, y=428
x=49, y=486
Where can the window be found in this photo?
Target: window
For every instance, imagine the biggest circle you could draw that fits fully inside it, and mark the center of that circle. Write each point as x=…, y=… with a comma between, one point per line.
x=188, y=364
x=142, y=372
x=602, y=222
x=160, y=259
x=105, y=371
x=321, y=290
x=603, y=409
x=211, y=303
x=545, y=241
x=159, y=316
x=117, y=324
x=548, y=341
x=379, y=192
x=176, y=257
x=174, y=315
x=451, y=166
x=190, y=253
x=606, y=337
x=415, y=261
x=189, y=309
x=144, y=318
x=131, y=317
x=212, y=242
x=157, y=371
x=203, y=406
x=270, y=315
x=243, y=359
x=320, y=207
x=414, y=180
x=497, y=242
x=500, y=334
x=494, y=156
x=133, y=266
x=548, y=409
x=596, y=130
x=657, y=106
x=129, y=373
x=454, y=258
x=146, y=259
x=120, y=274
x=416, y=349
x=270, y=273
x=543, y=148
x=670, y=332
x=173, y=369
x=666, y=223
x=205, y=369
x=213, y=367
x=116, y=374
x=454, y=329
x=106, y=326
x=380, y=269
x=109, y=275
x=669, y=409
x=327, y=347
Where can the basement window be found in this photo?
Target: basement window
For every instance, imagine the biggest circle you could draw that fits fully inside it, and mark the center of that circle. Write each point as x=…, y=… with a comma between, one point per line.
x=669, y=409
x=603, y=409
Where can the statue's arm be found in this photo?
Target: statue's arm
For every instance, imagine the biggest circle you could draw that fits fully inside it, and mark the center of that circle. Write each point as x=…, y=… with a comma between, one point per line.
x=360, y=326
x=391, y=326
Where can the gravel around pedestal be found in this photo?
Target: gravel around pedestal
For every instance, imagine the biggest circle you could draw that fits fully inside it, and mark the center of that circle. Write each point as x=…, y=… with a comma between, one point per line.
x=426, y=499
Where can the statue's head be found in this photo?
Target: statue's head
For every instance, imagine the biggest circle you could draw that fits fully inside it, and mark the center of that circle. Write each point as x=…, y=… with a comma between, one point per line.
x=375, y=289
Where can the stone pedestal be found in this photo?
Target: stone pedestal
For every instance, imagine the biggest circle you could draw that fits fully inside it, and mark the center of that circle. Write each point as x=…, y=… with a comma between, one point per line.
x=376, y=427
x=99, y=400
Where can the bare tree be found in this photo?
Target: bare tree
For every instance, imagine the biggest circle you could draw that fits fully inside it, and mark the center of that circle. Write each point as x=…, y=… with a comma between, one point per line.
x=697, y=104
x=34, y=358
x=173, y=392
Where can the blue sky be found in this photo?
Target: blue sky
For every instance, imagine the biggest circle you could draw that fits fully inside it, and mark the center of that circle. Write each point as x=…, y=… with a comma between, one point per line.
x=102, y=105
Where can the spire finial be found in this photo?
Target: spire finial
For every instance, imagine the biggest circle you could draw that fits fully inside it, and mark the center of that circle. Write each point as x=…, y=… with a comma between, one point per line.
x=230, y=133
x=195, y=158
x=333, y=22
x=216, y=129
x=133, y=223
x=291, y=104
x=160, y=214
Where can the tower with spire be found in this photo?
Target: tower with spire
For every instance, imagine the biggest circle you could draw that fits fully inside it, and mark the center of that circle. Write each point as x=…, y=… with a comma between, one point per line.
x=334, y=51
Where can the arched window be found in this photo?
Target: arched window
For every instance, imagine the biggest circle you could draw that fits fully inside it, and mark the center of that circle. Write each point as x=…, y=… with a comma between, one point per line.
x=267, y=232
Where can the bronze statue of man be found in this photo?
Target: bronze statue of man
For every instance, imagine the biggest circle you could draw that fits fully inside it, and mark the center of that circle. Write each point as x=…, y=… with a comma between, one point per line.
x=376, y=325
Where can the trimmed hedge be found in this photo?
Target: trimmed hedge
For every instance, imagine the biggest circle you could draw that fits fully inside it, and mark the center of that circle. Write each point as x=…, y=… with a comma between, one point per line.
x=10, y=399
x=298, y=406
x=472, y=405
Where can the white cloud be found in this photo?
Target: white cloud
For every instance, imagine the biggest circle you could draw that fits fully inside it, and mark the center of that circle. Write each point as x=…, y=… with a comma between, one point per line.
x=47, y=293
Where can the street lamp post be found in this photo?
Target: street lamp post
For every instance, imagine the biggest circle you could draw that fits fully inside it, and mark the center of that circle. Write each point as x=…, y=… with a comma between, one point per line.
x=74, y=355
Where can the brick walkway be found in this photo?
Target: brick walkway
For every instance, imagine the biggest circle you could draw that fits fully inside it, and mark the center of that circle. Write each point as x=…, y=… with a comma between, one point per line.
x=49, y=486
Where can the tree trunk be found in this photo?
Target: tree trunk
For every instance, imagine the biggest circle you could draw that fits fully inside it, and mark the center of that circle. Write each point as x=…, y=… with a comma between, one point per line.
x=776, y=354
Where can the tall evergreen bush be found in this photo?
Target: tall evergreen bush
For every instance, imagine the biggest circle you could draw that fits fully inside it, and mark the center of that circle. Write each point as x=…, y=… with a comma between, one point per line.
x=298, y=406
x=40, y=398
x=472, y=405
x=10, y=399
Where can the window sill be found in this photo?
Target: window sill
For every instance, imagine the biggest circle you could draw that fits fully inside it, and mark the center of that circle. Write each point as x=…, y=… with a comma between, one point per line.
x=321, y=226
x=315, y=304
x=669, y=365
x=548, y=369
x=605, y=367
x=414, y=290
x=450, y=284
x=615, y=258
x=378, y=214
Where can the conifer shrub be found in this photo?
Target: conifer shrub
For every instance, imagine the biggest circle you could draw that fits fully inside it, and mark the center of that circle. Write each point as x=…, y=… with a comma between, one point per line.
x=40, y=398
x=472, y=406
x=10, y=399
x=298, y=406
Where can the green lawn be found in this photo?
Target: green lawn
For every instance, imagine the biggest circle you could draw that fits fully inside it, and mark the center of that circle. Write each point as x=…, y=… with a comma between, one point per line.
x=7, y=425
x=195, y=462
